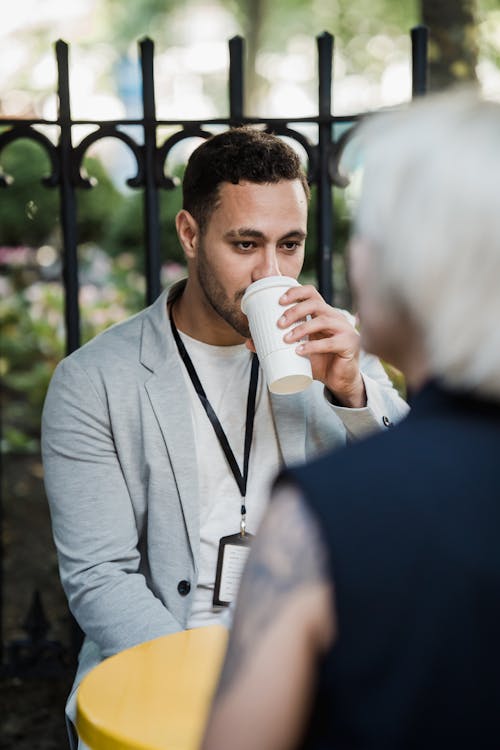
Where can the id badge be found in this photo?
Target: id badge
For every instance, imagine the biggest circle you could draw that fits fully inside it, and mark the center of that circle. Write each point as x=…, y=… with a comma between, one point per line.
x=233, y=553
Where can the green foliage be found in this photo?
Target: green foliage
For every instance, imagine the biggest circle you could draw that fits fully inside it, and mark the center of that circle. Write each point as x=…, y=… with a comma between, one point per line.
x=489, y=30
x=344, y=19
x=29, y=211
x=97, y=206
x=31, y=346
x=33, y=335
x=125, y=233
x=131, y=20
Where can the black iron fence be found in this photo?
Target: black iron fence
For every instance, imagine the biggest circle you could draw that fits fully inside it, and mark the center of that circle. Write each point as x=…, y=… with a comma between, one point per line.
x=150, y=158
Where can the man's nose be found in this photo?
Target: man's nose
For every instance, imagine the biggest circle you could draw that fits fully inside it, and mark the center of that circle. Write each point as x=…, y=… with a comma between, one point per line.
x=267, y=265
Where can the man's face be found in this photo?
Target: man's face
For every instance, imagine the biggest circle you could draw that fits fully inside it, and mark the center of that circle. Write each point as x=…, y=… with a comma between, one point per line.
x=255, y=231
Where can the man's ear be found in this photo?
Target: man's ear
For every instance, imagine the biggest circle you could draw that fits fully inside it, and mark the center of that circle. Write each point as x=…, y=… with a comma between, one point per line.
x=188, y=233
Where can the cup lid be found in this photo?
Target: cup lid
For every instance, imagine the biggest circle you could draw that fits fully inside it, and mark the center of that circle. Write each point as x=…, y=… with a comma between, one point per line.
x=267, y=283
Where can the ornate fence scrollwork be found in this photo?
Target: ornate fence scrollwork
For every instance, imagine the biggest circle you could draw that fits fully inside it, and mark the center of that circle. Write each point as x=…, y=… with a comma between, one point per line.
x=106, y=131
x=28, y=132
x=189, y=131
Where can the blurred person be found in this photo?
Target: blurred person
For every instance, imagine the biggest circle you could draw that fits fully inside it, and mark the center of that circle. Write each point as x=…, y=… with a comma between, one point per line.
x=369, y=611
x=142, y=491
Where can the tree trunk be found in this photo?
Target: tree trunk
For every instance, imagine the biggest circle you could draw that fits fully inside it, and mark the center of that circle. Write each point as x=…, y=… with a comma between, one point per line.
x=452, y=41
x=253, y=12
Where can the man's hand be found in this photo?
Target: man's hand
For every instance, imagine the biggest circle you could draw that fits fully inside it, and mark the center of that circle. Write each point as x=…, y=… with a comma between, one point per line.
x=332, y=346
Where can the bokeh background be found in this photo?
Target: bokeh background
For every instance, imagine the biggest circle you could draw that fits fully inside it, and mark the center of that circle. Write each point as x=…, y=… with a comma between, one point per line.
x=371, y=70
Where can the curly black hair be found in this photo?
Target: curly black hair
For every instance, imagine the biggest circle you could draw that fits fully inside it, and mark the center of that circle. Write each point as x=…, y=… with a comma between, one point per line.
x=242, y=153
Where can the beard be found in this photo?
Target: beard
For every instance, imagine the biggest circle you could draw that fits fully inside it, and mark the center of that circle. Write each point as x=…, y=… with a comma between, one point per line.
x=228, y=309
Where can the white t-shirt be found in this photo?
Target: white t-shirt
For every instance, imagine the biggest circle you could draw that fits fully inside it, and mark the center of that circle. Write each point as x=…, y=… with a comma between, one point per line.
x=224, y=372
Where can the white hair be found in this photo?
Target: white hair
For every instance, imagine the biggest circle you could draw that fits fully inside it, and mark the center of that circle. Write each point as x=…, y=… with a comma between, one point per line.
x=430, y=208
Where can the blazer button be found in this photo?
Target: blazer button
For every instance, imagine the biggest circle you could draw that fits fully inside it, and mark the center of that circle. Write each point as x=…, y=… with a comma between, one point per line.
x=183, y=587
x=386, y=422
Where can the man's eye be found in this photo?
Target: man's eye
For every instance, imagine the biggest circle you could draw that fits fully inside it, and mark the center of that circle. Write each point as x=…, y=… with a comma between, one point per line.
x=291, y=246
x=245, y=245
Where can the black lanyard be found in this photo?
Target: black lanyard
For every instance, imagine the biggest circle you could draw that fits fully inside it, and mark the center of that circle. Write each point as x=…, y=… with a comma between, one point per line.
x=241, y=478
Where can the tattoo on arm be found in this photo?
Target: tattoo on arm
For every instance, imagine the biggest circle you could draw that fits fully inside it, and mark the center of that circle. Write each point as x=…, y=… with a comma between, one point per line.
x=288, y=553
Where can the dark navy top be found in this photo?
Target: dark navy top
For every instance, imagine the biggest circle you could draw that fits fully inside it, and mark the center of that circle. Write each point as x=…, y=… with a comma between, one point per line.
x=411, y=519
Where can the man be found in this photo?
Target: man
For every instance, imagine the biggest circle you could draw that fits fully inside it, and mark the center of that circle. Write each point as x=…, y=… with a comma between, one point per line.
x=369, y=612
x=141, y=488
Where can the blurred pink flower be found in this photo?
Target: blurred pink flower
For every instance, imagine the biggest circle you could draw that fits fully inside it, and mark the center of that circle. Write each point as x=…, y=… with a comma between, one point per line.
x=172, y=271
x=15, y=256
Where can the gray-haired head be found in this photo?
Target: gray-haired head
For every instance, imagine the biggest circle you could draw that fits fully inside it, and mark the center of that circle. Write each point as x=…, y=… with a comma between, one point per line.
x=429, y=212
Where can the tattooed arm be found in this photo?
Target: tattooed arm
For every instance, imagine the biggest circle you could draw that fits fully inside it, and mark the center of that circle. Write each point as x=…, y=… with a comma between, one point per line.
x=284, y=620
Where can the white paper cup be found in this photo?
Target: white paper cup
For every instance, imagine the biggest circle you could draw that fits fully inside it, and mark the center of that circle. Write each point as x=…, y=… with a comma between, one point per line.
x=285, y=371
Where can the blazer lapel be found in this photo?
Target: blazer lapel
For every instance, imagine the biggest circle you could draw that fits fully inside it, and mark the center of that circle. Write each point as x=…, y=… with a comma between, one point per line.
x=169, y=399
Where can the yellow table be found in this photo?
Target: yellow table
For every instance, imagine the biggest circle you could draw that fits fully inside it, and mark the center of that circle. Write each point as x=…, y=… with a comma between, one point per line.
x=154, y=696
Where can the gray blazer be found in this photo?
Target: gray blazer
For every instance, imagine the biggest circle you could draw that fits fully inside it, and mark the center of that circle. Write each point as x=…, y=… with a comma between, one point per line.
x=118, y=449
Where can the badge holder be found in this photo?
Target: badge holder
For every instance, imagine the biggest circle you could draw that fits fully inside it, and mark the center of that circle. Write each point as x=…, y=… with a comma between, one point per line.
x=233, y=553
